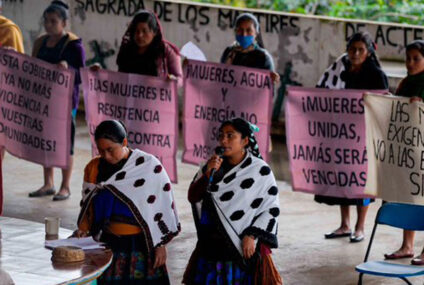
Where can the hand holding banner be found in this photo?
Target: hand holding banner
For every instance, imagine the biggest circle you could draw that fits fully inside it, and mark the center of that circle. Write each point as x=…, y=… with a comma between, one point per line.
x=215, y=93
x=146, y=104
x=35, y=109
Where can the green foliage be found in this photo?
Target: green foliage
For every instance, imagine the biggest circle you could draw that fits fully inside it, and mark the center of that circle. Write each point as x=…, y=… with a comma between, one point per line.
x=398, y=11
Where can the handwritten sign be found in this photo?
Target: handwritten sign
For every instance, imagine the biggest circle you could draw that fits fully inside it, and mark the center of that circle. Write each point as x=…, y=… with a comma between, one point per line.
x=395, y=142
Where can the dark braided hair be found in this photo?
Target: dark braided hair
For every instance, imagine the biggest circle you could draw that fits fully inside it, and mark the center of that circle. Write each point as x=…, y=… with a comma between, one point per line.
x=113, y=130
x=58, y=7
x=244, y=128
x=365, y=37
x=417, y=45
x=156, y=48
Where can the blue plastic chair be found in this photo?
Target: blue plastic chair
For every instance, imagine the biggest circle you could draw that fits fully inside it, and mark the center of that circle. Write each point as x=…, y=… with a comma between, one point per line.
x=404, y=216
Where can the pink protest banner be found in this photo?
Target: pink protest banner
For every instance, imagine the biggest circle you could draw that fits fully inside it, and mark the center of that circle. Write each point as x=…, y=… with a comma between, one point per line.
x=215, y=93
x=1, y=185
x=35, y=109
x=147, y=105
x=326, y=141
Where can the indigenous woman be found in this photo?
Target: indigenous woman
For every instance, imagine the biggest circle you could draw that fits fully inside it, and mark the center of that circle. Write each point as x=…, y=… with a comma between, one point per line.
x=65, y=49
x=127, y=201
x=248, y=49
x=234, y=209
x=411, y=86
x=145, y=51
x=359, y=68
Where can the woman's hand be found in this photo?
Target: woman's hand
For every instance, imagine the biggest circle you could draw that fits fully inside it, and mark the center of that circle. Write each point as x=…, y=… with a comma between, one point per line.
x=95, y=67
x=185, y=62
x=172, y=77
x=160, y=257
x=63, y=64
x=213, y=163
x=415, y=99
x=275, y=77
x=248, y=246
x=79, y=234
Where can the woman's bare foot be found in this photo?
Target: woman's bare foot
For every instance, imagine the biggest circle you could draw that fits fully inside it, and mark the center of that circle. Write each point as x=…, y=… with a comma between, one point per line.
x=359, y=232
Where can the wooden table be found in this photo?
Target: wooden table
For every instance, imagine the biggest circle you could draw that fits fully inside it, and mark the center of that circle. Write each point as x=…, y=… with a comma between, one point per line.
x=24, y=257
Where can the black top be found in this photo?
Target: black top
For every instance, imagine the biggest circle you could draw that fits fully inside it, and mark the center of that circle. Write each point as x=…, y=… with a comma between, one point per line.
x=257, y=58
x=369, y=77
x=52, y=54
x=143, y=64
x=214, y=243
x=106, y=170
x=412, y=86
x=70, y=51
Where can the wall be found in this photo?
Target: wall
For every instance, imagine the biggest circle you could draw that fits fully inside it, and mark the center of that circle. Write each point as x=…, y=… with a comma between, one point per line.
x=310, y=43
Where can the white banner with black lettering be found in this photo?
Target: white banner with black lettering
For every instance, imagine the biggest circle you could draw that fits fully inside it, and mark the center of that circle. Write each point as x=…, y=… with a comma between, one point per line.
x=395, y=145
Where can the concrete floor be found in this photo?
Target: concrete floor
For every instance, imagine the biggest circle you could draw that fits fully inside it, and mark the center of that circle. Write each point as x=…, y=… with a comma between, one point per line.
x=304, y=256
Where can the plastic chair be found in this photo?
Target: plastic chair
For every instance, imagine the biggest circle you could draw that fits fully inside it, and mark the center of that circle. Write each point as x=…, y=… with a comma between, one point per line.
x=404, y=216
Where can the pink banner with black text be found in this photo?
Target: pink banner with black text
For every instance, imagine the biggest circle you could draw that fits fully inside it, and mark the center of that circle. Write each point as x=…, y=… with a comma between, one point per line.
x=326, y=141
x=214, y=93
x=147, y=105
x=1, y=185
x=35, y=109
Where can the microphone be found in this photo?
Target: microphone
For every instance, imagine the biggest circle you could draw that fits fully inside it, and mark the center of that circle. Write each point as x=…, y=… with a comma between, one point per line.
x=219, y=150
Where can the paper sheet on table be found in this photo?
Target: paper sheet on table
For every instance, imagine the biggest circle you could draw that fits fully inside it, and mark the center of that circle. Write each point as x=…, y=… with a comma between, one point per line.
x=83, y=243
x=191, y=51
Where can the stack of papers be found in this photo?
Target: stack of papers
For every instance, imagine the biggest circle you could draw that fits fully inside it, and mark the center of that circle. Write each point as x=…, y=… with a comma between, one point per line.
x=83, y=243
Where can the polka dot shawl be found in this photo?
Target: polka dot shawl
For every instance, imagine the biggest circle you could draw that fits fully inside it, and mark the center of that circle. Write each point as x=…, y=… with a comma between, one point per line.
x=332, y=77
x=144, y=186
x=246, y=200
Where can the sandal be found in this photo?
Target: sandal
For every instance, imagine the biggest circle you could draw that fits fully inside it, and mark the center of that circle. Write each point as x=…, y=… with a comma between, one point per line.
x=356, y=238
x=42, y=192
x=396, y=255
x=419, y=260
x=61, y=197
x=336, y=234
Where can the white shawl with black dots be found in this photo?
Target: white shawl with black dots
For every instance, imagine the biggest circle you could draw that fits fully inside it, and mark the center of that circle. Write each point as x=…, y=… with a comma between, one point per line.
x=144, y=186
x=332, y=78
x=246, y=199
